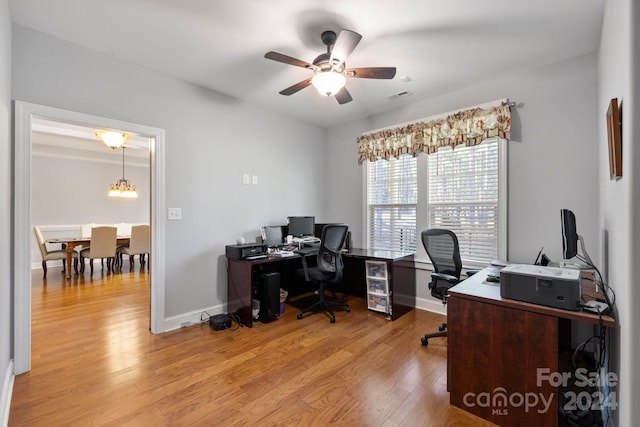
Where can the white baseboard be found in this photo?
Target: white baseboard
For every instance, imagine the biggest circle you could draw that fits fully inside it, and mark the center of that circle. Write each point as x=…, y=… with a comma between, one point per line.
x=431, y=304
x=185, y=320
x=7, y=392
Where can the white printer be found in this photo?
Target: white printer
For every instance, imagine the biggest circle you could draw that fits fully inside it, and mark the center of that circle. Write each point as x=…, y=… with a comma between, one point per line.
x=549, y=286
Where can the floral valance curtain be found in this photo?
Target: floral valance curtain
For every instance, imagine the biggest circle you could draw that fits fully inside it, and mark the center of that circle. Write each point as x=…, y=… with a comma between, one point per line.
x=469, y=127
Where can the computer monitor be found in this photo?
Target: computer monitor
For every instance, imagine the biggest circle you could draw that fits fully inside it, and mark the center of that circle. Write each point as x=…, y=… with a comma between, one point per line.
x=272, y=235
x=301, y=226
x=570, y=239
x=569, y=234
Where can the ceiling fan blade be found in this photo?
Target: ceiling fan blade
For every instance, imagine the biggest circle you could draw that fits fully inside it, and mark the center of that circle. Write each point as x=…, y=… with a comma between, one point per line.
x=343, y=96
x=345, y=44
x=372, y=72
x=296, y=87
x=287, y=59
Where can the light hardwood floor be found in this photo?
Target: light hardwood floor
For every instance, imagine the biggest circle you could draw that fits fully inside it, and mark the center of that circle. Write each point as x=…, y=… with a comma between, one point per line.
x=95, y=363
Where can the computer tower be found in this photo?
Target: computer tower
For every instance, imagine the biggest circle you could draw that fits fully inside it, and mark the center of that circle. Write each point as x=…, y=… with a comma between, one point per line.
x=267, y=291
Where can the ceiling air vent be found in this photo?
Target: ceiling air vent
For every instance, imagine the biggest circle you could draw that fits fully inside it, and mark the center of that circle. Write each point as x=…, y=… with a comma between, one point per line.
x=399, y=95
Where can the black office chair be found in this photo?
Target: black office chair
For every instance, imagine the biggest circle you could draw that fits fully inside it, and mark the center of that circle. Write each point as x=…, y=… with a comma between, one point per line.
x=328, y=269
x=444, y=252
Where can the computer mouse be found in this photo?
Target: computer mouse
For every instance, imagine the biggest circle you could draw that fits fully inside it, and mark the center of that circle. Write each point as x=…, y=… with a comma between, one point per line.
x=493, y=279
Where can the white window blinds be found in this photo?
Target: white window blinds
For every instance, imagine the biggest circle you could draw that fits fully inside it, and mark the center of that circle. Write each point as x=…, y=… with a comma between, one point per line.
x=463, y=197
x=392, y=194
x=460, y=189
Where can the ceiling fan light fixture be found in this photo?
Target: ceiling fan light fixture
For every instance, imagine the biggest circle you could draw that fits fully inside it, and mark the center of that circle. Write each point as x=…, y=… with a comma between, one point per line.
x=328, y=83
x=112, y=139
x=330, y=68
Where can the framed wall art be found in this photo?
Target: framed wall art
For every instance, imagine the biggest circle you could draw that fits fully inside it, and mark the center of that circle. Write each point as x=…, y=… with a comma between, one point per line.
x=614, y=136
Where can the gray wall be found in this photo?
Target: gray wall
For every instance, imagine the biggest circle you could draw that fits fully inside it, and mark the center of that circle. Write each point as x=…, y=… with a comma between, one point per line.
x=6, y=311
x=211, y=140
x=619, y=204
x=552, y=155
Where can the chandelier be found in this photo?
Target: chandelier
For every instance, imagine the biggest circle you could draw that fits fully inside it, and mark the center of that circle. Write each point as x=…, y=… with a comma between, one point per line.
x=123, y=188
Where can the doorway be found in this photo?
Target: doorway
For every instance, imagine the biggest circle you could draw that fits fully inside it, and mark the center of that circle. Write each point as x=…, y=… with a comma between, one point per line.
x=24, y=116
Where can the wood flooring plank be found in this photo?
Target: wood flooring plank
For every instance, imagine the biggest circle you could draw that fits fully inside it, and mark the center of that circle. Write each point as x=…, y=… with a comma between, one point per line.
x=95, y=363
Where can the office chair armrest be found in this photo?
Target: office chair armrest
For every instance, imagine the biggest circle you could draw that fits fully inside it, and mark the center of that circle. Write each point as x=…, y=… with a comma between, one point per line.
x=447, y=277
x=470, y=273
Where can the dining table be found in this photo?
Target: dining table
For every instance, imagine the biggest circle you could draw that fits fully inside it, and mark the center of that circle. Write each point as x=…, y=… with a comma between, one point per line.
x=70, y=243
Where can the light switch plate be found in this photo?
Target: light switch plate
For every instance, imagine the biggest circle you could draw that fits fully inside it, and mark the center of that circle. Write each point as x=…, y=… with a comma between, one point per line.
x=174, y=214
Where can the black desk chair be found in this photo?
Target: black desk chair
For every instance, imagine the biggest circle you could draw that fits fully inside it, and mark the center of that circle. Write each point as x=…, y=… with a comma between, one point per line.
x=444, y=252
x=328, y=269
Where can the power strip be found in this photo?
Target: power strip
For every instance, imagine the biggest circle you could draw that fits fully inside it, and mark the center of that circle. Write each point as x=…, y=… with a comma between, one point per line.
x=220, y=322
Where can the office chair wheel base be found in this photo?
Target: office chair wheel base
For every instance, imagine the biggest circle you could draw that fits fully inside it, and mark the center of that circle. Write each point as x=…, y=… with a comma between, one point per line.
x=332, y=319
x=299, y=315
x=348, y=309
x=424, y=341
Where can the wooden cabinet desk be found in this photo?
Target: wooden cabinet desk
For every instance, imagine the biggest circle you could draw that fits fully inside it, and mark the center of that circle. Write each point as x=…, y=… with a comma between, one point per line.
x=495, y=347
x=242, y=274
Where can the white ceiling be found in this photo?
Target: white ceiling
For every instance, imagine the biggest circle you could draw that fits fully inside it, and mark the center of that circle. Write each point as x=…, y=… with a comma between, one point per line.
x=54, y=138
x=442, y=45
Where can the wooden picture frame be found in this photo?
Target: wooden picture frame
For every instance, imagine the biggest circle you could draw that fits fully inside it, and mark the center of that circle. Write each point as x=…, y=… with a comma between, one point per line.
x=614, y=131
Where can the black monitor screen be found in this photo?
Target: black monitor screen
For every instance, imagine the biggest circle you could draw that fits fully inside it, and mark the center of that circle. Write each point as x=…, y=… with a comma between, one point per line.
x=569, y=234
x=301, y=226
x=272, y=235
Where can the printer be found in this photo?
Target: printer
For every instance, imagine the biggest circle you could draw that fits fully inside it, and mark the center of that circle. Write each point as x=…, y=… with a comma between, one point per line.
x=248, y=251
x=549, y=286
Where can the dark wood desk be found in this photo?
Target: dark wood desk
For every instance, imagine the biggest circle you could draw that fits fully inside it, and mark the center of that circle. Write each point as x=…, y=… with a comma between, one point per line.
x=495, y=347
x=400, y=265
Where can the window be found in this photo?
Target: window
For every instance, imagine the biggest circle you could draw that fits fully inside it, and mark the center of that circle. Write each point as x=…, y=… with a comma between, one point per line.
x=461, y=189
x=392, y=197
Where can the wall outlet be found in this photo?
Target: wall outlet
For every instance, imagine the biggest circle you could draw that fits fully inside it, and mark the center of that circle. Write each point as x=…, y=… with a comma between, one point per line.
x=246, y=179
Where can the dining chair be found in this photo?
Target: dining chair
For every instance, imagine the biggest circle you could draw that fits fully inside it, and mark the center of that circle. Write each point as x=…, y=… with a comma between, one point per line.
x=102, y=245
x=123, y=229
x=85, y=232
x=47, y=255
x=139, y=244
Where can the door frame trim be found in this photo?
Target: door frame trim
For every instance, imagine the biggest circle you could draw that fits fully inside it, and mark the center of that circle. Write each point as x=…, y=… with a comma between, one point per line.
x=24, y=113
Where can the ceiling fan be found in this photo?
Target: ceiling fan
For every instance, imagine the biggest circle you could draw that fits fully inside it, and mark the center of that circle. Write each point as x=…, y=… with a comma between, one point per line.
x=329, y=68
